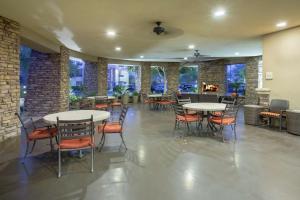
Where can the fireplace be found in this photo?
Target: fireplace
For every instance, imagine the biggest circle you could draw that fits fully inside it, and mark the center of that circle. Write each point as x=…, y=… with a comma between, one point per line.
x=209, y=87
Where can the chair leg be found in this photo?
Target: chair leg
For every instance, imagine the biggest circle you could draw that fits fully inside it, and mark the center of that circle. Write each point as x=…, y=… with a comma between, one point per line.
x=103, y=142
x=51, y=145
x=92, y=161
x=280, y=123
x=26, y=151
x=59, y=164
x=123, y=140
x=221, y=133
x=234, y=130
x=175, y=124
x=33, y=145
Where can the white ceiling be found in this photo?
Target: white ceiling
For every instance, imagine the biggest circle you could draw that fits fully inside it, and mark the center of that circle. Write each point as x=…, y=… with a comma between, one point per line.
x=81, y=25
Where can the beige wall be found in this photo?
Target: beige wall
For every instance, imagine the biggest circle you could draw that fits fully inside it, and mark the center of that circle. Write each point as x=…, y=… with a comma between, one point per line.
x=281, y=55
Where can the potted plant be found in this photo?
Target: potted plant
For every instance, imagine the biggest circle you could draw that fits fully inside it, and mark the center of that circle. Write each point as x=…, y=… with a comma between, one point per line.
x=118, y=91
x=135, y=97
x=74, y=101
x=236, y=86
x=125, y=97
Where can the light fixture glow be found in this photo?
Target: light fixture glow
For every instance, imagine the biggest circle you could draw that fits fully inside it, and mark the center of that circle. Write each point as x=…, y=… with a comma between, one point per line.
x=191, y=46
x=141, y=56
x=220, y=12
x=111, y=33
x=185, y=58
x=281, y=24
x=236, y=53
x=118, y=48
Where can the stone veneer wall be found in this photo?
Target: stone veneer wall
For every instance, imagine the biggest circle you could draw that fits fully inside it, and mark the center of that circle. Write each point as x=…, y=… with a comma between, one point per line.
x=251, y=79
x=9, y=77
x=146, y=77
x=48, y=83
x=213, y=72
x=102, y=76
x=91, y=77
x=172, y=72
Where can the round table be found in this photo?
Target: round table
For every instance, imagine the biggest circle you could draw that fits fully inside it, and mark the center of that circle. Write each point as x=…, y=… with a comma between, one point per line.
x=102, y=97
x=205, y=106
x=77, y=115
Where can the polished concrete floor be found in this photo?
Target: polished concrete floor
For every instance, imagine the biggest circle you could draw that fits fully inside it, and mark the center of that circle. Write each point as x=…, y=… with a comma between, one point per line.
x=159, y=164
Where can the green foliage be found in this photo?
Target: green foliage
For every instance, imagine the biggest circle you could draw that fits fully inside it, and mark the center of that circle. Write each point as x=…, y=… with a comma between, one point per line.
x=119, y=90
x=135, y=93
x=236, y=85
x=74, y=99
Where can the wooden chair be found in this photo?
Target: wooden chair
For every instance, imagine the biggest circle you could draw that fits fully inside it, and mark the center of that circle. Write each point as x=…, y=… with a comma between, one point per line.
x=113, y=128
x=276, y=110
x=34, y=133
x=75, y=135
x=228, y=118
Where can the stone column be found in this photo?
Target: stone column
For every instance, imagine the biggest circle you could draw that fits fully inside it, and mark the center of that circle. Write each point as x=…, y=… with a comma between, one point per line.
x=64, y=79
x=90, y=77
x=48, y=83
x=172, y=73
x=9, y=77
x=102, y=76
x=251, y=80
x=146, y=77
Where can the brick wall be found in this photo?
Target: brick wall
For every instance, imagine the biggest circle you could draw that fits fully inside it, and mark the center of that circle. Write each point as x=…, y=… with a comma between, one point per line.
x=48, y=83
x=102, y=76
x=251, y=79
x=91, y=77
x=172, y=72
x=9, y=77
x=145, y=77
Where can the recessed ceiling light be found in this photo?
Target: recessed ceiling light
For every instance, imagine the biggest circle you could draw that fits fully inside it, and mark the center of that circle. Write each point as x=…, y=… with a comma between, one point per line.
x=191, y=46
x=236, y=53
x=118, y=48
x=111, y=33
x=219, y=12
x=185, y=58
x=281, y=24
x=141, y=56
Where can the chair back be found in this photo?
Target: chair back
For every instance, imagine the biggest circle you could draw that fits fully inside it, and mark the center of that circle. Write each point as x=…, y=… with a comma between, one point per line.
x=178, y=109
x=230, y=111
x=101, y=100
x=226, y=101
x=27, y=127
x=278, y=105
x=184, y=101
x=123, y=115
x=75, y=129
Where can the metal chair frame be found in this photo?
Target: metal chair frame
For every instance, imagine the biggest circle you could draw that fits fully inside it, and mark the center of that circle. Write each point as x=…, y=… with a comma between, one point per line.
x=75, y=129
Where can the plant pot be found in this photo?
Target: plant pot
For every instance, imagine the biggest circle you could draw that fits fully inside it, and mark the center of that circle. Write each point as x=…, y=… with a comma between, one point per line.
x=125, y=99
x=135, y=99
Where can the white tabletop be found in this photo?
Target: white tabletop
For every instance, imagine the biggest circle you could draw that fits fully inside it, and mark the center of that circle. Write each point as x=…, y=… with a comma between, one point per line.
x=205, y=106
x=102, y=97
x=154, y=95
x=77, y=115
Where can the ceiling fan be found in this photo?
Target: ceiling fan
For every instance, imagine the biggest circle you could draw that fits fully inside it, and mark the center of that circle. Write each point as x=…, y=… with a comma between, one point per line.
x=198, y=57
x=158, y=29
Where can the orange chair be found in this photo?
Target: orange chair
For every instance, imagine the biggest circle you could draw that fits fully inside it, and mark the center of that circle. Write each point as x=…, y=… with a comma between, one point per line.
x=36, y=133
x=182, y=116
x=75, y=135
x=113, y=128
x=101, y=103
x=227, y=118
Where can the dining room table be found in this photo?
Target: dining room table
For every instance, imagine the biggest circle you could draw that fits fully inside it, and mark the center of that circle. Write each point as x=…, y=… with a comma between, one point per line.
x=206, y=107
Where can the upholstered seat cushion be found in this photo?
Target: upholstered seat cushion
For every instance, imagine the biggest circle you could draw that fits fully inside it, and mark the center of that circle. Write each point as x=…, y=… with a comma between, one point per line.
x=270, y=114
x=110, y=128
x=188, y=118
x=42, y=133
x=116, y=104
x=75, y=143
x=225, y=121
x=164, y=102
x=101, y=106
x=218, y=114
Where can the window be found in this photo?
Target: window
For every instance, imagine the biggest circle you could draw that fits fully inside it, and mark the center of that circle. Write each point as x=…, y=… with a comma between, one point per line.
x=236, y=81
x=158, y=80
x=25, y=58
x=188, y=79
x=76, y=75
x=123, y=78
